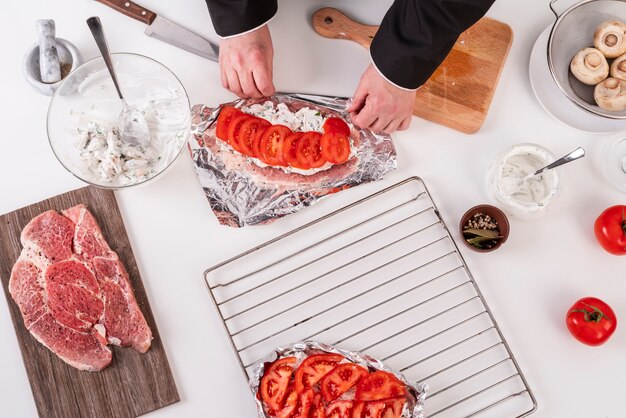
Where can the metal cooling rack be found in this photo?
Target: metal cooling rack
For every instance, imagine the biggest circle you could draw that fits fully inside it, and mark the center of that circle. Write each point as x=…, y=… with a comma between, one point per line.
x=382, y=276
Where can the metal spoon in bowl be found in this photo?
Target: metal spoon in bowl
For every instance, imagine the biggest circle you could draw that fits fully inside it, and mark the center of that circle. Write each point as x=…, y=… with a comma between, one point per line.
x=572, y=156
x=131, y=122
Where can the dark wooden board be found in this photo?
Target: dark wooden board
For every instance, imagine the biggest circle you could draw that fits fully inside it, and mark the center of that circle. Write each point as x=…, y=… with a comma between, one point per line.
x=134, y=383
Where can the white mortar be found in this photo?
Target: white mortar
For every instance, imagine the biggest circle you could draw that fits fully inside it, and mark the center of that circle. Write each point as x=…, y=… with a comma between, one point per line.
x=68, y=54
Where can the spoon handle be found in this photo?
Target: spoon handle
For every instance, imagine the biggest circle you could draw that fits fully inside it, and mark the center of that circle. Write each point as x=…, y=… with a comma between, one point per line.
x=98, y=34
x=574, y=155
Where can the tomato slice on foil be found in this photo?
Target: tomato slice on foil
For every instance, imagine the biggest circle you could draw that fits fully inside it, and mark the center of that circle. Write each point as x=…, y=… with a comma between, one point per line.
x=309, y=150
x=227, y=114
x=275, y=383
x=271, y=145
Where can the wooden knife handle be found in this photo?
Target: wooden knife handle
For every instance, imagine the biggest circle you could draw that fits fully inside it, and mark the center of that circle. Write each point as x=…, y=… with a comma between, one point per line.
x=131, y=9
x=331, y=23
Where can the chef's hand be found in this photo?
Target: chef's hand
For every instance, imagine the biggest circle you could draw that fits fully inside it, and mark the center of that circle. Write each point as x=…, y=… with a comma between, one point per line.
x=246, y=64
x=379, y=105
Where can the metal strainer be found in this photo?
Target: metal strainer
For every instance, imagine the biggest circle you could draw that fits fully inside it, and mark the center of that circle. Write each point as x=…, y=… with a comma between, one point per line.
x=572, y=31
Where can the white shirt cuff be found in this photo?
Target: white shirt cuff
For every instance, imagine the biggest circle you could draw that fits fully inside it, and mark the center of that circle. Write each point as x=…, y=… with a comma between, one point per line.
x=250, y=30
x=385, y=77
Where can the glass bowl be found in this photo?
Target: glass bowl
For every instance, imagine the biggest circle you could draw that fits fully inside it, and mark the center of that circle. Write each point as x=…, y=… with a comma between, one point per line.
x=614, y=161
x=83, y=113
x=520, y=198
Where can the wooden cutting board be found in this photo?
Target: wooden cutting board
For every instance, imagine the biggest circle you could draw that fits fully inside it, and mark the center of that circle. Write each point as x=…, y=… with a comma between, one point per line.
x=134, y=383
x=459, y=92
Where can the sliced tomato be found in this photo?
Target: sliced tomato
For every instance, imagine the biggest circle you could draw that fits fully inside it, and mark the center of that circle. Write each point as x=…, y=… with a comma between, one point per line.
x=339, y=409
x=247, y=134
x=234, y=129
x=379, y=385
x=385, y=408
x=340, y=379
x=317, y=409
x=297, y=405
x=275, y=382
x=271, y=145
x=305, y=403
x=290, y=150
x=309, y=150
x=393, y=407
x=227, y=114
x=368, y=410
x=291, y=401
x=336, y=125
x=256, y=141
x=313, y=368
x=357, y=409
x=335, y=147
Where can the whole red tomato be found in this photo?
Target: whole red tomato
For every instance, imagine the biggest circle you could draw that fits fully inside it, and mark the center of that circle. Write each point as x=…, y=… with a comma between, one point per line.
x=610, y=229
x=591, y=321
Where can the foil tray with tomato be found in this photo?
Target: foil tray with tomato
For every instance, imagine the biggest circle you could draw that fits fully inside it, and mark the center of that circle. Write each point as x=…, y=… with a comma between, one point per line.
x=312, y=379
x=253, y=172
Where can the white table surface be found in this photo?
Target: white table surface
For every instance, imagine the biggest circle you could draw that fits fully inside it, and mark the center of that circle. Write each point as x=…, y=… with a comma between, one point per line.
x=529, y=283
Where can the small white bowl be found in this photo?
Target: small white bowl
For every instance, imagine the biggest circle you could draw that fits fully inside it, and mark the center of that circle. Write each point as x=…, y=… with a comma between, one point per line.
x=505, y=171
x=614, y=161
x=68, y=54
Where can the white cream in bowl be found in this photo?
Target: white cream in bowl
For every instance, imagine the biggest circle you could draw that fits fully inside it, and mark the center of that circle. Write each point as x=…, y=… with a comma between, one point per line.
x=510, y=184
x=83, y=116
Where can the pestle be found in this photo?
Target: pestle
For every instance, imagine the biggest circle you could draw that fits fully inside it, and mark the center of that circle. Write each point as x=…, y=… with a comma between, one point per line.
x=48, y=56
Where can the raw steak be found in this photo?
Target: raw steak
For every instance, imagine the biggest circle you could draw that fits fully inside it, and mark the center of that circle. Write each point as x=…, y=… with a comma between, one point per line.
x=74, y=292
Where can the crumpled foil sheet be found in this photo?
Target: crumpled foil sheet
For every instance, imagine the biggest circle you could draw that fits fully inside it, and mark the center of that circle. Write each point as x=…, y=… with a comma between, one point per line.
x=242, y=193
x=414, y=407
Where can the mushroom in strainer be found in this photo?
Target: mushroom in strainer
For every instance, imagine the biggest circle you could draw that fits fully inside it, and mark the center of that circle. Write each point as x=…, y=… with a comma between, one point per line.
x=589, y=66
x=609, y=38
x=611, y=94
x=618, y=67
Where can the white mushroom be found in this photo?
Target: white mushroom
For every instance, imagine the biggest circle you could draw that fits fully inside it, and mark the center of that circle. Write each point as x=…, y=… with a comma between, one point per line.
x=618, y=67
x=589, y=66
x=611, y=94
x=609, y=38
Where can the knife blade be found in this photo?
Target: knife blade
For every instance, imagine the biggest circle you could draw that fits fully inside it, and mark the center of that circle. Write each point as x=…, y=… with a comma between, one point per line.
x=165, y=30
x=169, y=32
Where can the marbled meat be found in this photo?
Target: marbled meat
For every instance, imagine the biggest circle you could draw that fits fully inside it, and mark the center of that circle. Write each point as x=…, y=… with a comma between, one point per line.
x=74, y=292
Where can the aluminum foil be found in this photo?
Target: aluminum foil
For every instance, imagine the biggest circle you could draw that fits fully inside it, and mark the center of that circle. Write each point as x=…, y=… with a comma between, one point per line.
x=241, y=192
x=414, y=408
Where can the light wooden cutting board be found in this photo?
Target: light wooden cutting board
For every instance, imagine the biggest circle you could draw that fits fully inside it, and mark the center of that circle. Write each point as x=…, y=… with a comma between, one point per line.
x=134, y=384
x=460, y=91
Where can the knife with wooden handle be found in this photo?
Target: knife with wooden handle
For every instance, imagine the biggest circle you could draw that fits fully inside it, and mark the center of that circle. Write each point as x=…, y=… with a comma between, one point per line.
x=165, y=30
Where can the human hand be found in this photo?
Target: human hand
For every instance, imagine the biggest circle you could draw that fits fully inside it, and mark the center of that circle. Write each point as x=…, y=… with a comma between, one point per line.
x=246, y=64
x=380, y=106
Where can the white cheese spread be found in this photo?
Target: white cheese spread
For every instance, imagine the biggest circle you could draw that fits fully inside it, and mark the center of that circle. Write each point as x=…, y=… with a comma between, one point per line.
x=510, y=180
x=97, y=150
x=517, y=182
x=303, y=120
x=112, y=160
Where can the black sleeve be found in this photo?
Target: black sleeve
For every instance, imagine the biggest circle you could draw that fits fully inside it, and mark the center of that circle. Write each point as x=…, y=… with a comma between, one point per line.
x=415, y=36
x=231, y=17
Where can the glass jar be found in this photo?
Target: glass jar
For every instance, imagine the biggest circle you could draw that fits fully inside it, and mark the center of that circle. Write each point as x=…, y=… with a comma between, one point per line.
x=614, y=161
x=511, y=184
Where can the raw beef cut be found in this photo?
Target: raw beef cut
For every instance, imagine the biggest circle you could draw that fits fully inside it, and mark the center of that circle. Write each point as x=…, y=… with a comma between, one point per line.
x=74, y=292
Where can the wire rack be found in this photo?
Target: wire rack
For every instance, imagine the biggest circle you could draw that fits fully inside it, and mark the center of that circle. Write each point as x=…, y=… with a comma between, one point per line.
x=381, y=276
